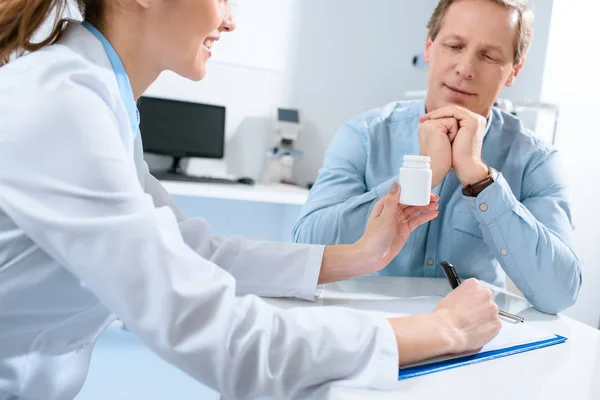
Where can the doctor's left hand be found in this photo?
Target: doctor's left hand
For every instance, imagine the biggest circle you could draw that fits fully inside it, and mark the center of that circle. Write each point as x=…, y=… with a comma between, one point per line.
x=387, y=230
x=389, y=227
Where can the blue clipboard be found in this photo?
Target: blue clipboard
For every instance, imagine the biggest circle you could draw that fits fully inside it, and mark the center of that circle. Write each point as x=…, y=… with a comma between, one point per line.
x=425, y=369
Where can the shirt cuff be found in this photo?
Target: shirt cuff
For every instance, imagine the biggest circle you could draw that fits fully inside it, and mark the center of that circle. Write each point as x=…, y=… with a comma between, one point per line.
x=385, y=360
x=494, y=201
x=380, y=371
x=310, y=290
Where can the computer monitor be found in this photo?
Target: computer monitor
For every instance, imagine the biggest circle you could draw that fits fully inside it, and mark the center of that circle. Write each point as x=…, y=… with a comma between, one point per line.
x=287, y=115
x=182, y=129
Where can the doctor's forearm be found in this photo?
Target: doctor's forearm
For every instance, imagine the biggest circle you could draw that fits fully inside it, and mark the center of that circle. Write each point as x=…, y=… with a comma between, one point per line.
x=342, y=262
x=422, y=336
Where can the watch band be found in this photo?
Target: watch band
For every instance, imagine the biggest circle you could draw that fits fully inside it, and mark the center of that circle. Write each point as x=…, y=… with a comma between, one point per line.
x=476, y=188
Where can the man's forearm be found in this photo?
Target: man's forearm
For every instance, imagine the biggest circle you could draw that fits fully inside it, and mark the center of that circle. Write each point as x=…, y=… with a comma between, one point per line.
x=537, y=259
x=539, y=262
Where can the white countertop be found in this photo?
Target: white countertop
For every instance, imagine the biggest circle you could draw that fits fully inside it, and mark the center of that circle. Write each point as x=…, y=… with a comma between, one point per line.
x=277, y=193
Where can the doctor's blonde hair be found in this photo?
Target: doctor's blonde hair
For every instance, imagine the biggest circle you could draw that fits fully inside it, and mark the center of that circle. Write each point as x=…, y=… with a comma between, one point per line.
x=20, y=20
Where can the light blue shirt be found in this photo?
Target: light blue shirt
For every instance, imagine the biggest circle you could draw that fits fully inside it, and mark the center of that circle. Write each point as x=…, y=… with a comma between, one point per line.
x=521, y=224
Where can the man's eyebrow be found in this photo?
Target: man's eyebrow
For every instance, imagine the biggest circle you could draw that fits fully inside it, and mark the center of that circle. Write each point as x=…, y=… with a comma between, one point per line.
x=453, y=36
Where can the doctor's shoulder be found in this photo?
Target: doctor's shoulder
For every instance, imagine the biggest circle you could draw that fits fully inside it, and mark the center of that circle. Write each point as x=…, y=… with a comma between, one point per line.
x=54, y=78
x=54, y=83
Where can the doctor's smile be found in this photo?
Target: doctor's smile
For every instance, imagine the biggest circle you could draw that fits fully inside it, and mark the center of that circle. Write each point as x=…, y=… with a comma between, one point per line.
x=209, y=43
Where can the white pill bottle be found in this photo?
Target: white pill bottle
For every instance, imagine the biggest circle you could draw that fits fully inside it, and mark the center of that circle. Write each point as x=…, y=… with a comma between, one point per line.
x=415, y=181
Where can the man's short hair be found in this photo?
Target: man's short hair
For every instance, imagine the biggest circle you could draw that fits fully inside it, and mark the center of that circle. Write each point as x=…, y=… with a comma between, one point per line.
x=525, y=27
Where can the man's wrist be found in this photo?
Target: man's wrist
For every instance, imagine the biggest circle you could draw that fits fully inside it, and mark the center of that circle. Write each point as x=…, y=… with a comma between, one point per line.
x=473, y=173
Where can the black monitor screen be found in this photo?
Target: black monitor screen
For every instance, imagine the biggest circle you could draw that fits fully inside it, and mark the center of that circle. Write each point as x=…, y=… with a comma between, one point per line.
x=182, y=129
x=288, y=115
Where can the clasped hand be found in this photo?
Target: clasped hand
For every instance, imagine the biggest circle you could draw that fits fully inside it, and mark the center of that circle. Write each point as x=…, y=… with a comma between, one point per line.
x=453, y=137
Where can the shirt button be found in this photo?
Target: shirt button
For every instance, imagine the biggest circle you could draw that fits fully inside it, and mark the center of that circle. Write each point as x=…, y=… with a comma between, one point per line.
x=483, y=207
x=504, y=252
x=430, y=261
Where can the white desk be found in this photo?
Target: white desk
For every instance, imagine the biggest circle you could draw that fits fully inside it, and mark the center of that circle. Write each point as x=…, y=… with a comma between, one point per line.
x=566, y=371
x=279, y=193
x=123, y=369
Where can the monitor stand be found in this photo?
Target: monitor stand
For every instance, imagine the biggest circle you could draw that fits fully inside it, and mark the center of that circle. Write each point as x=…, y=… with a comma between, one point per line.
x=176, y=167
x=176, y=173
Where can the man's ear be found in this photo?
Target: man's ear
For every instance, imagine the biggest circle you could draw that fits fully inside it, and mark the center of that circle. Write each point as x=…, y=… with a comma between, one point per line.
x=428, y=43
x=514, y=73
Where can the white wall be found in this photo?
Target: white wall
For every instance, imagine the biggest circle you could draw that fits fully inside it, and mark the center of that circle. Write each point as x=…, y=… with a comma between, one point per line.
x=572, y=80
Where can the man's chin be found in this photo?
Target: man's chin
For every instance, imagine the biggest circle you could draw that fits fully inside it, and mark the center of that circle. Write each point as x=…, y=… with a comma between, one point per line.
x=469, y=105
x=446, y=102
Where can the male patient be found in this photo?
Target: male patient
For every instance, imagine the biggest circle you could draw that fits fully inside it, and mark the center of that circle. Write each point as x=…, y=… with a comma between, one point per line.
x=503, y=206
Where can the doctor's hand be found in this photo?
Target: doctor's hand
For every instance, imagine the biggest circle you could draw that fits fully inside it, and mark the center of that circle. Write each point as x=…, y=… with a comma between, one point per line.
x=387, y=230
x=467, y=143
x=435, y=138
x=464, y=321
x=389, y=227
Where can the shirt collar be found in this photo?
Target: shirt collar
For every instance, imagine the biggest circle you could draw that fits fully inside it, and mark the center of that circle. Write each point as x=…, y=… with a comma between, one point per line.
x=120, y=74
x=487, y=126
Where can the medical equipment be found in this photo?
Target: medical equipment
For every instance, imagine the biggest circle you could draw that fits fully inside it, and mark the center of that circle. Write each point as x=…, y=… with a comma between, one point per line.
x=280, y=158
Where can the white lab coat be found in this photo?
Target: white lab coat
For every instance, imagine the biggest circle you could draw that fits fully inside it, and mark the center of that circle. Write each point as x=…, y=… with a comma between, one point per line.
x=86, y=234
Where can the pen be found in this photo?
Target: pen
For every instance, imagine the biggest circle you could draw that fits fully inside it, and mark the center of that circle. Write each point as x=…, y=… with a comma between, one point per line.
x=455, y=281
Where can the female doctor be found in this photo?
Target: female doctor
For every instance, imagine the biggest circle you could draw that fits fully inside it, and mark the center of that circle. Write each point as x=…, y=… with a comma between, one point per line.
x=86, y=234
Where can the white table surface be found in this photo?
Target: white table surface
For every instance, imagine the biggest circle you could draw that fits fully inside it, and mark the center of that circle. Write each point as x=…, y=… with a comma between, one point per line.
x=566, y=371
x=122, y=368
